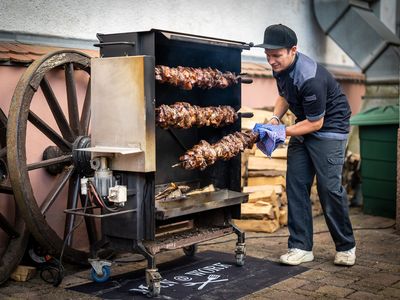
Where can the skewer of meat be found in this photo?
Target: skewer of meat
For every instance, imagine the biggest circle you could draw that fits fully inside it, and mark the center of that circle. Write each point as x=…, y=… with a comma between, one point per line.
x=188, y=77
x=184, y=115
x=203, y=154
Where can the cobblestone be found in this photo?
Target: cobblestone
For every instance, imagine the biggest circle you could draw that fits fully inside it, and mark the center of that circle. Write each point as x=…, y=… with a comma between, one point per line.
x=365, y=296
x=382, y=279
x=314, y=275
x=390, y=292
x=334, y=291
x=277, y=294
x=365, y=286
x=376, y=274
x=312, y=286
x=291, y=284
x=341, y=282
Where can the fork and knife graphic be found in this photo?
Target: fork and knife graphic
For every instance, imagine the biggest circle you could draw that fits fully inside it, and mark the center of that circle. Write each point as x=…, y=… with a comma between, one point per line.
x=210, y=278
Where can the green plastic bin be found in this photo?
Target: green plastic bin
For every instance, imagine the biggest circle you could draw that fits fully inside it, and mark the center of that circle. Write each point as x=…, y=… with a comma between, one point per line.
x=378, y=146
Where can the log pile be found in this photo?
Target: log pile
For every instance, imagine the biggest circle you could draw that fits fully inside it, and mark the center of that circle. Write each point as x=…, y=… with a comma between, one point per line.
x=265, y=180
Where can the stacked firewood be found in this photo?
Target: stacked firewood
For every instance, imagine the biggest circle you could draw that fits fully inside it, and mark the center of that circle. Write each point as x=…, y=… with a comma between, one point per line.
x=265, y=180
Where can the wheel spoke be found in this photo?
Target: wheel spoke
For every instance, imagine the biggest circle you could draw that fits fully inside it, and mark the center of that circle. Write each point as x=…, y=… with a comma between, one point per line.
x=73, y=112
x=72, y=203
x=49, y=132
x=3, y=152
x=3, y=128
x=56, y=110
x=85, y=117
x=7, y=227
x=49, y=162
x=6, y=189
x=55, y=191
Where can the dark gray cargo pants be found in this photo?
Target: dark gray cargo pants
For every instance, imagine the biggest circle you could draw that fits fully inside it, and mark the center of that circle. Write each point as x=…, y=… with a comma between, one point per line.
x=309, y=156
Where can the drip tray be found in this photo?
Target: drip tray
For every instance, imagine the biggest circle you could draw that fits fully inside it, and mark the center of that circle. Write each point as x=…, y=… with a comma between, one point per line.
x=198, y=203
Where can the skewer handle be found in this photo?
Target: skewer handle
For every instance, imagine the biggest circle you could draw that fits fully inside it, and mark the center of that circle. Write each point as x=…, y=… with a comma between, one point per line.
x=246, y=115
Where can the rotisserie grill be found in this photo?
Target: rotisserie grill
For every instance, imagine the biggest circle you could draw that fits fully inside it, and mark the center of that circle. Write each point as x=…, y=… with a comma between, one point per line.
x=140, y=129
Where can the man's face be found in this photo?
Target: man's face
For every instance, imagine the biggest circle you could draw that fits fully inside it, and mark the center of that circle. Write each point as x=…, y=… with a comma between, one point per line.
x=280, y=59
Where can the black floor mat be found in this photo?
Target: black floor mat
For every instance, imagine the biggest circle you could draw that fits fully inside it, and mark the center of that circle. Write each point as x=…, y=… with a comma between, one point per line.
x=208, y=275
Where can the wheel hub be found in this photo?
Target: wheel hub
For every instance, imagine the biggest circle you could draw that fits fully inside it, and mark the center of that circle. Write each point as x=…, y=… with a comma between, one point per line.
x=53, y=152
x=81, y=159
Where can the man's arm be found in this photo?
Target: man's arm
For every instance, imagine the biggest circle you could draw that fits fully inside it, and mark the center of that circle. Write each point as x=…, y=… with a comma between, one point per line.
x=304, y=127
x=281, y=107
x=300, y=128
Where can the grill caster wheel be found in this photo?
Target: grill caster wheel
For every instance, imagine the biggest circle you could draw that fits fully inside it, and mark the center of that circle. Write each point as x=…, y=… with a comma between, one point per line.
x=239, y=260
x=153, y=281
x=101, y=270
x=101, y=277
x=190, y=250
x=240, y=253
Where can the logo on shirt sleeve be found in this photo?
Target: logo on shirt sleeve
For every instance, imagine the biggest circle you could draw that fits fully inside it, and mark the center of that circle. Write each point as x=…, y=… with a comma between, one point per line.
x=310, y=98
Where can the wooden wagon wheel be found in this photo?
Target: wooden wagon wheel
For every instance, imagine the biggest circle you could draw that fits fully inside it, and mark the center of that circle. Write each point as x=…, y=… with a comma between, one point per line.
x=65, y=130
x=12, y=225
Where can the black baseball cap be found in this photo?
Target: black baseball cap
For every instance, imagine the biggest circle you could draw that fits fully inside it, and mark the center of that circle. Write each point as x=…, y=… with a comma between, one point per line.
x=278, y=36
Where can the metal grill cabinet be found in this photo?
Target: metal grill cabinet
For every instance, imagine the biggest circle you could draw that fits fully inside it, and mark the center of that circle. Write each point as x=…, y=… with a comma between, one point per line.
x=124, y=95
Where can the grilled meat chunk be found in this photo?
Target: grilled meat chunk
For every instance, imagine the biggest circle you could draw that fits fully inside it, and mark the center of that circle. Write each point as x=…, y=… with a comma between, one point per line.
x=203, y=154
x=184, y=115
x=187, y=77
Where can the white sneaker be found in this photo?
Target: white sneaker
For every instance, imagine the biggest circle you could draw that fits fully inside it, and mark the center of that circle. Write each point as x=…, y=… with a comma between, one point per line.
x=345, y=258
x=296, y=256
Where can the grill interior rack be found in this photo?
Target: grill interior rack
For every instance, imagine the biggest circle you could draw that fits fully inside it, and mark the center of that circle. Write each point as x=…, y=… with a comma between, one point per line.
x=140, y=155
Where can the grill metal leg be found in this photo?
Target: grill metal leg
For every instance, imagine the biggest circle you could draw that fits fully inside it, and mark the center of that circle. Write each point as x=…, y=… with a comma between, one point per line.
x=151, y=260
x=240, y=234
x=153, y=277
x=240, y=251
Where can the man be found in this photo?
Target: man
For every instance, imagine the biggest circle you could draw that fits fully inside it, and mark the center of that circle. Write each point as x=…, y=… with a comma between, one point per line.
x=316, y=147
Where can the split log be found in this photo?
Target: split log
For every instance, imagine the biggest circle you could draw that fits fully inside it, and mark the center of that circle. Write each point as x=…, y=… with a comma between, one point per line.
x=280, y=153
x=267, y=188
x=266, y=173
x=268, y=196
x=283, y=215
x=268, y=226
x=270, y=180
x=257, y=210
x=265, y=163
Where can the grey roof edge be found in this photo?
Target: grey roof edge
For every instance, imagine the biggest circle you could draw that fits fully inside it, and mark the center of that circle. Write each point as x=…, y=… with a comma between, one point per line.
x=48, y=40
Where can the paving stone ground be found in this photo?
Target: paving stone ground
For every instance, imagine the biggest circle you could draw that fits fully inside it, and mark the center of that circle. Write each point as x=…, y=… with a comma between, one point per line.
x=376, y=274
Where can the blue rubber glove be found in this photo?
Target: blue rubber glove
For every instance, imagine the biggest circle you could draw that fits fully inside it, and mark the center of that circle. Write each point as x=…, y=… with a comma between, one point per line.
x=270, y=137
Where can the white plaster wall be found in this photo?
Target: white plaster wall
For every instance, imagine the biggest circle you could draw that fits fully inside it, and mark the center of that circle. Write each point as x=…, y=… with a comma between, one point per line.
x=230, y=19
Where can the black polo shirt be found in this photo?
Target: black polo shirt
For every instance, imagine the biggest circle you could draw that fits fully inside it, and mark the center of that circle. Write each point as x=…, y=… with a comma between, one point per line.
x=313, y=93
